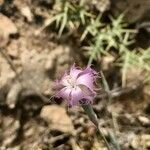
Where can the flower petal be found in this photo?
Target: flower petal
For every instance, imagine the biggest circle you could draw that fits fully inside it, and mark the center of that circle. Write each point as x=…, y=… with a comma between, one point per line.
x=88, y=70
x=74, y=72
x=87, y=77
x=64, y=79
x=64, y=93
x=76, y=96
x=58, y=85
x=87, y=91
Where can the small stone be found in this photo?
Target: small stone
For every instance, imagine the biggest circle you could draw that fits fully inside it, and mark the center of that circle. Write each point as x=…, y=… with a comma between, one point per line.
x=13, y=49
x=101, y=5
x=26, y=12
x=137, y=9
x=1, y=2
x=7, y=26
x=141, y=142
x=3, y=39
x=91, y=131
x=18, y=147
x=50, y=61
x=13, y=53
x=11, y=98
x=134, y=143
x=107, y=61
x=146, y=91
x=10, y=128
x=144, y=120
x=57, y=118
x=29, y=132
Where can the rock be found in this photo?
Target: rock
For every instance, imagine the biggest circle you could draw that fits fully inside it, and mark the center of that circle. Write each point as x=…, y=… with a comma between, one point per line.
x=24, y=9
x=144, y=120
x=26, y=12
x=57, y=118
x=3, y=39
x=101, y=5
x=107, y=62
x=141, y=142
x=146, y=91
x=10, y=128
x=1, y=2
x=7, y=26
x=36, y=80
x=18, y=147
x=127, y=119
x=30, y=128
x=98, y=144
x=135, y=10
x=133, y=76
x=61, y=56
x=6, y=73
x=13, y=50
x=12, y=95
x=125, y=139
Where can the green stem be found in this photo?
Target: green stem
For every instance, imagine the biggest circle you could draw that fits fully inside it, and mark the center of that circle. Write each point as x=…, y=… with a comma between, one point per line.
x=91, y=114
x=113, y=135
x=91, y=58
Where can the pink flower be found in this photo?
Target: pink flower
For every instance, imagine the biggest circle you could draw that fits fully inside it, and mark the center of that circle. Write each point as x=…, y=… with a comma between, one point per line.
x=76, y=86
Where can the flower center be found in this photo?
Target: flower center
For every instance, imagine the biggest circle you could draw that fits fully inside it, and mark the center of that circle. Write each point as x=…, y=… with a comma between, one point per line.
x=71, y=81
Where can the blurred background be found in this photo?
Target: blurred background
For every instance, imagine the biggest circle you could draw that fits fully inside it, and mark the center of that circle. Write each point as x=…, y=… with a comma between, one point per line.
x=40, y=39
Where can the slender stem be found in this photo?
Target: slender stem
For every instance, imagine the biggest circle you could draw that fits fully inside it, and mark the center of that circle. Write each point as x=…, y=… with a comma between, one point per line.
x=92, y=57
x=91, y=114
x=116, y=144
x=104, y=139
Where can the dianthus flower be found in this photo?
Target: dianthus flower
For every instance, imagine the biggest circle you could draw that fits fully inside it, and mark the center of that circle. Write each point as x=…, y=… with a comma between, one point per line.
x=76, y=86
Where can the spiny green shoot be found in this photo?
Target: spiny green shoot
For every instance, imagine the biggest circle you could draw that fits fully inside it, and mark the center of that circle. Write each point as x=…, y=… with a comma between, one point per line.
x=100, y=38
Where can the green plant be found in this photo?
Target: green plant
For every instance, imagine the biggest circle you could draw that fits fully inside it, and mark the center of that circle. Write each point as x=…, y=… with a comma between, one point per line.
x=69, y=14
x=112, y=36
x=92, y=28
x=100, y=38
x=136, y=59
